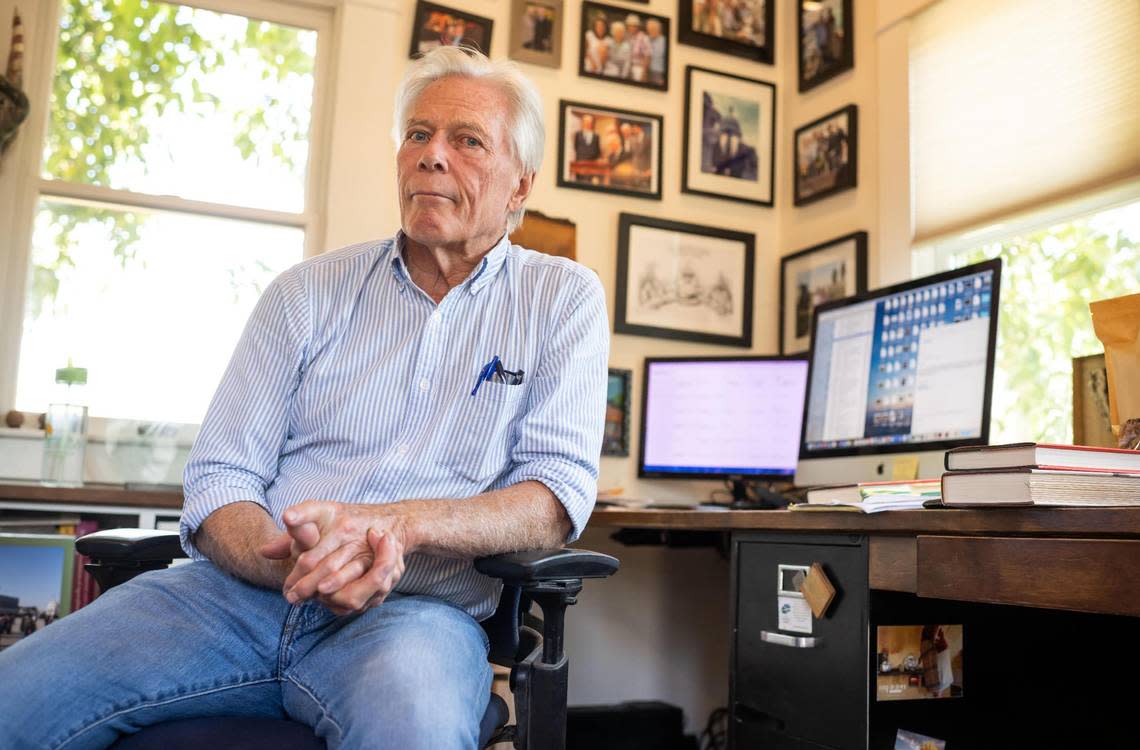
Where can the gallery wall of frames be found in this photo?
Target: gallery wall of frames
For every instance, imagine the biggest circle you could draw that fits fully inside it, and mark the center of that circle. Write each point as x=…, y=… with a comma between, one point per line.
x=687, y=140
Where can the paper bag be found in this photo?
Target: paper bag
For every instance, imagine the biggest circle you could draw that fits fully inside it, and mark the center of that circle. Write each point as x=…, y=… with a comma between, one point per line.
x=1117, y=325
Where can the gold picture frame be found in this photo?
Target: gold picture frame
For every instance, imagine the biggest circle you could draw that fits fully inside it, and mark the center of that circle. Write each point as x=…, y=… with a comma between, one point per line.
x=1091, y=424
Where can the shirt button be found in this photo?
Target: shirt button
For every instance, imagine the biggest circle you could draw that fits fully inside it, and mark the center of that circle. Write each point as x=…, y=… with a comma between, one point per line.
x=402, y=450
x=434, y=320
x=424, y=384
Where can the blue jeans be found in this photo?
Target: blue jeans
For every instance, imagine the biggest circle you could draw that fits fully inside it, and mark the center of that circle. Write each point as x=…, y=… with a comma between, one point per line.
x=194, y=641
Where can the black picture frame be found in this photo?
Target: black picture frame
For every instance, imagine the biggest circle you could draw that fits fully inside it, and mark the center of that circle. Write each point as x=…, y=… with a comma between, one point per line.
x=816, y=65
x=707, y=299
x=838, y=254
x=422, y=30
x=696, y=178
x=623, y=175
x=615, y=438
x=809, y=185
x=765, y=53
x=587, y=65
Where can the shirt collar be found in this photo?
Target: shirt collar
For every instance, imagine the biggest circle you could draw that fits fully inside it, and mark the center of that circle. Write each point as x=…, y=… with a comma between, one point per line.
x=482, y=275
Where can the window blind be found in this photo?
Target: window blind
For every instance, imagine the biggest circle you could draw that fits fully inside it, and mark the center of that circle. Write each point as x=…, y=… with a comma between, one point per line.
x=1019, y=103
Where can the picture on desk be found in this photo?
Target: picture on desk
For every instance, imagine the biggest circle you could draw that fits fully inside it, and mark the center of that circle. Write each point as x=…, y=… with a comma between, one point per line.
x=609, y=150
x=918, y=662
x=905, y=740
x=35, y=583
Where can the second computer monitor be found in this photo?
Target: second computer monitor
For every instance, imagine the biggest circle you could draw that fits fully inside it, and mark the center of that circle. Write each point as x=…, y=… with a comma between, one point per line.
x=904, y=370
x=721, y=417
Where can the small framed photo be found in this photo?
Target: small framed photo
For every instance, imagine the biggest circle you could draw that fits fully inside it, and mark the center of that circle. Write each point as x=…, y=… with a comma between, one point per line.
x=729, y=148
x=918, y=662
x=624, y=46
x=684, y=281
x=826, y=40
x=536, y=32
x=615, y=439
x=436, y=25
x=609, y=150
x=745, y=28
x=825, y=152
x=1091, y=421
x=830, y=270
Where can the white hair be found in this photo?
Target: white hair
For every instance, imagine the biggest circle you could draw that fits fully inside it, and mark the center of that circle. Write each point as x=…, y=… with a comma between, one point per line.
x=524, y=125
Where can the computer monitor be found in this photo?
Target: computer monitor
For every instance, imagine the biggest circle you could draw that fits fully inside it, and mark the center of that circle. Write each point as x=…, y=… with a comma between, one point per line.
x=729, y=418
x=905, y=371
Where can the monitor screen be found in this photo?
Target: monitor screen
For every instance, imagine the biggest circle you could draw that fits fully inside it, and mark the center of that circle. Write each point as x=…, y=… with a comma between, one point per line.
x=905, y=368
x=722, y=417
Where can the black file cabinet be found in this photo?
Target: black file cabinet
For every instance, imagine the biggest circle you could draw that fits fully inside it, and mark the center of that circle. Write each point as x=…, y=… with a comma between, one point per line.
x=793, y=690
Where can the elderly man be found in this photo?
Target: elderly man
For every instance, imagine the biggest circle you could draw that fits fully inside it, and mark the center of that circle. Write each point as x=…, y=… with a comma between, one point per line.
x=392, y=411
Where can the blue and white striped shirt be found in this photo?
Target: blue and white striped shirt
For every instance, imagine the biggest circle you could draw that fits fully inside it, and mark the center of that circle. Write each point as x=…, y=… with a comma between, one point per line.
x=351, y=384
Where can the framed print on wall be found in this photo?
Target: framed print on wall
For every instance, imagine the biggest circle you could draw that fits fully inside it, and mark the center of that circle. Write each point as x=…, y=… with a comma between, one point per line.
x=615, y=439
x=826, y=40
x=684, y=281
x=624, y=46
x=536, y=32
x=436, y=26
x=729, y=149
x=825, y=156
x=609, y=150
x=830, y=270
x=747, y=29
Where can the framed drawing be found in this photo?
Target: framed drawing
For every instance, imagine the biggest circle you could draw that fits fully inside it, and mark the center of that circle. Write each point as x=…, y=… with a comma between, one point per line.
x=536, y=32
x=609, y=150
x=615, y=439
x=826, y=41
x=684, y=281
x=830, y=270
x=825, y=152
x=745, y=28
x=1091, y=423
x=729, y=144
x=436, y=25
x=624, y=46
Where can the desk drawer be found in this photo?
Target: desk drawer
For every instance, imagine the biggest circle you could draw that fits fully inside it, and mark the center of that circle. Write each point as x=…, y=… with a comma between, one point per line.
x=1084, y=575
x=811, y=692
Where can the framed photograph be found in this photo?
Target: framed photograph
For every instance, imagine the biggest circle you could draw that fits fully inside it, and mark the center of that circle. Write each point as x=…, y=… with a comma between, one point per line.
x=729, y=148
x=36, y=578
x=745, y=28
x=547, y=234
x=830, y=270
x=918, y=662
x=684, y=281
x=615, y=440
x=824, y=156
x=436, y=25
x=609, y=150
x=826, y=40
x=625, y=46
x=1091, y=422
x=536, y=32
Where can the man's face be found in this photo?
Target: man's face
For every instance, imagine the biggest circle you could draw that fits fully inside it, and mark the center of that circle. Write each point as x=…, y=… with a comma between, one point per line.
x=456, y=171
x=653, y=28
x=587, y=122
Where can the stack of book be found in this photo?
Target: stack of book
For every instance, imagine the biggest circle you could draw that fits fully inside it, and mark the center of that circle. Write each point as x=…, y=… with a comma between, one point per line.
x=1027, y=474
x=873, y=497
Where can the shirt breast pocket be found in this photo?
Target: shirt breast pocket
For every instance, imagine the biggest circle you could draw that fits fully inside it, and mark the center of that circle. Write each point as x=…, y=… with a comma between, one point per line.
x=478, y=445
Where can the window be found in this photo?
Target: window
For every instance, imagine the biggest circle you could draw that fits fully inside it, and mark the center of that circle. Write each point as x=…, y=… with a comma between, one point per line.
x=1049, y=276
x=177, y=180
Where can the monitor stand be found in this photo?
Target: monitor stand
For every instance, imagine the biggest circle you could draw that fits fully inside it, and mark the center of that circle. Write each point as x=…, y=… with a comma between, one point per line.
x=765, y=498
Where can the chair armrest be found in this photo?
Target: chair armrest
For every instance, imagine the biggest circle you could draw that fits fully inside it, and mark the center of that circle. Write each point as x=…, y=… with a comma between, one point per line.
x=131, y=546
x=535, y=566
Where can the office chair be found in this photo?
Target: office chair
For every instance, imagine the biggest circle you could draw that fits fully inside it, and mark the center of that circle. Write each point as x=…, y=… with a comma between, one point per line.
x=530, y=646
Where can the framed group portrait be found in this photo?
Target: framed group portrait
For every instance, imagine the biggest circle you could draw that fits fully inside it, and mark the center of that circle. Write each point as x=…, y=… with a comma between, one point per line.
x=536, y=32
x=729, y=144
x=825, y=156
x=609, y=150
x=438, y=26
x=624, y=46
x=826, y=40
x=828, y=271
x=745, y=28
x=615, y=438
x=684, y=281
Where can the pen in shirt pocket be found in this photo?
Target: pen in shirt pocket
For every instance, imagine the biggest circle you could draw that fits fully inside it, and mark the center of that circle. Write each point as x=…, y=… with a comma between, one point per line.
x=495, y=371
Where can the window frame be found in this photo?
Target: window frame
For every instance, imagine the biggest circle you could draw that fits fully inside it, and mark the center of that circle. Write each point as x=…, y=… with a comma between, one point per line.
x=25, y=164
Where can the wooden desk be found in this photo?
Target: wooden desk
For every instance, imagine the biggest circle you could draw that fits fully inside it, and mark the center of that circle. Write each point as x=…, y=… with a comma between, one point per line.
x=1078, y=559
